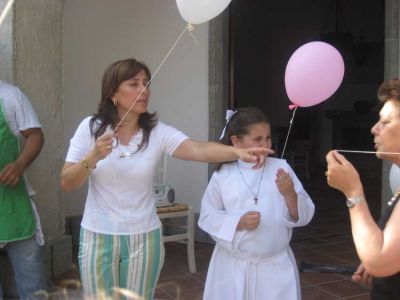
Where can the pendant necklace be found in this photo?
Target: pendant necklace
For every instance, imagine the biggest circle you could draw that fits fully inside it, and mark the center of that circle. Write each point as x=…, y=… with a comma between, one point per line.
x=394, y=198
x=127, y=151
x=245, y=182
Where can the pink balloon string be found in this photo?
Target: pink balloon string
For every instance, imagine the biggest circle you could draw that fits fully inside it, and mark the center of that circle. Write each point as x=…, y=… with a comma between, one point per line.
x=290, y=128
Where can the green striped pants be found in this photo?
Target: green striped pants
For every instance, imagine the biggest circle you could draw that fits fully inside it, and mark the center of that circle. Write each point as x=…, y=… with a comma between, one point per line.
x=130, y=262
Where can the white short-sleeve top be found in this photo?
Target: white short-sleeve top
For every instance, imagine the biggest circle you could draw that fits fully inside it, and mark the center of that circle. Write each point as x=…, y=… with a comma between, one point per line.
x=120, y=198
x=19, y=115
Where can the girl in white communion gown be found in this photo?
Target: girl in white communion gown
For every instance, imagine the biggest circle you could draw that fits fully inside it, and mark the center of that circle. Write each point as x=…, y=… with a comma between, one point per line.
x=250, y=214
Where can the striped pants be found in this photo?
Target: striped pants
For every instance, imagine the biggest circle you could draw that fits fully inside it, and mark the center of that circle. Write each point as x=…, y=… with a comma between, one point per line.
x=130, y=262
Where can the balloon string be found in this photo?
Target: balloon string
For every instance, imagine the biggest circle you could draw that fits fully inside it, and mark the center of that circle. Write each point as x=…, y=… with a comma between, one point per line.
x=290, y=127
x=190, y=29
x=187, y=27
x=5, y=10
x=367, y=152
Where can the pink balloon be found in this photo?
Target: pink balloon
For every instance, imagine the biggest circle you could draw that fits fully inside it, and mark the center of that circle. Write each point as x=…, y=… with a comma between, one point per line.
x=314, y=72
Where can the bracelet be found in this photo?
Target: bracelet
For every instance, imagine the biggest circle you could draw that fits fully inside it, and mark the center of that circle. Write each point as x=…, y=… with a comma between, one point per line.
x=85, y=164
x=353, y=201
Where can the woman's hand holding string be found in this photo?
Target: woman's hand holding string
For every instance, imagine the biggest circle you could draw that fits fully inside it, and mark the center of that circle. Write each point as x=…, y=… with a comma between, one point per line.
x=342, y=175
x=102, y=148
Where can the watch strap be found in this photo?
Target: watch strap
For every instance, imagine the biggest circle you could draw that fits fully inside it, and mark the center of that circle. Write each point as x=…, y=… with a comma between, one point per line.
x=353, y=201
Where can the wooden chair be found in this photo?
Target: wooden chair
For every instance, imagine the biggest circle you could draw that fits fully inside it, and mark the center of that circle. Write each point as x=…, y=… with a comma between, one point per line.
x=177, y=210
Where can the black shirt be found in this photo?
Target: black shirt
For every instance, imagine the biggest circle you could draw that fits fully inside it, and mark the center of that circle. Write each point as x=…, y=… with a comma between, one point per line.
x=386, y=288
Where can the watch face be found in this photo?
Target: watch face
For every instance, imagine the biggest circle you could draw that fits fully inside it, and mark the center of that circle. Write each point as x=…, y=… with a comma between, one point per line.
x=349, y=203
x=354, y=200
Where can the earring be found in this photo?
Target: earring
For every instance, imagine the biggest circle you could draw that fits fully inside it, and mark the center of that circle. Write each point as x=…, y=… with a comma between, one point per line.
x=115, y=101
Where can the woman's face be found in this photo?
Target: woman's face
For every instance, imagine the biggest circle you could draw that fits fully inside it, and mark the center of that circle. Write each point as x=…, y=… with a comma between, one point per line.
x=129, y=91
x=259, y=135
x=387, y=131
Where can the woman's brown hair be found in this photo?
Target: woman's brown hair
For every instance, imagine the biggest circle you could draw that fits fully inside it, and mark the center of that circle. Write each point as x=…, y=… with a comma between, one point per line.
x=389, y=90
x=106, y=114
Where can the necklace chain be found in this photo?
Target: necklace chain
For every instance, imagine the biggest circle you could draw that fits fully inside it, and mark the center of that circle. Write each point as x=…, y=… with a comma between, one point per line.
x=248, y=186
x=395, y=197
x=127, y=151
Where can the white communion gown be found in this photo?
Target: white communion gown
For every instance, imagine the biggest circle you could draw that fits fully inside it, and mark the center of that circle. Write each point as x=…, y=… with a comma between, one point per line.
x=252, y=264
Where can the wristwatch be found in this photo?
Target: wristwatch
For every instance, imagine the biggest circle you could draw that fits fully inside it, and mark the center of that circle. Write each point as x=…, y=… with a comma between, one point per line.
x=352, y=201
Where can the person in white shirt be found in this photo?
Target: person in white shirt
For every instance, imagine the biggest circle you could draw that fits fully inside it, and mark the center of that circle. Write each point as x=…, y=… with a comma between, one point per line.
x=117, y=150
x=250, y=214
x=21, y=140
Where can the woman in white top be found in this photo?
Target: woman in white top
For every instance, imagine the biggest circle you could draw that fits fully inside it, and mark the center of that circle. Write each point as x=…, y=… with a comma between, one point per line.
x=250, y=214
x=120, y=242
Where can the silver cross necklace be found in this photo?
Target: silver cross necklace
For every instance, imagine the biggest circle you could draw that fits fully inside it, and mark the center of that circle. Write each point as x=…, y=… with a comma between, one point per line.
x=245, y=182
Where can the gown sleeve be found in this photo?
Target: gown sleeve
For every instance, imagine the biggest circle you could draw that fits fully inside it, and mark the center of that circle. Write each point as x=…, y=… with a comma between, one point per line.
x=216, y=220
x=305, y=205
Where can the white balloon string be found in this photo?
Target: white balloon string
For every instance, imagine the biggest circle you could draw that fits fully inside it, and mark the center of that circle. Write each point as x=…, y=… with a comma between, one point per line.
x=190, y=29
x=5, y=10
x=368, y=152
x=152, y=77
x=137, y=98
x=287, y=136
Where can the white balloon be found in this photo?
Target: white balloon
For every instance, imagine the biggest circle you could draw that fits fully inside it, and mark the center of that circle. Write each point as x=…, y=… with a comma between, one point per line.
x=200, y=11
x=394, y=178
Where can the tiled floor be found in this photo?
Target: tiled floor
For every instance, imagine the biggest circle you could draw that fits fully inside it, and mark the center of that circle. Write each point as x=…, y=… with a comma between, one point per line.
x=325, y=241
x=177, y=283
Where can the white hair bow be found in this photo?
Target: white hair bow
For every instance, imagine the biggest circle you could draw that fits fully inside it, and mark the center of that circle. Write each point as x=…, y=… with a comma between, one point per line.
x=229, y=114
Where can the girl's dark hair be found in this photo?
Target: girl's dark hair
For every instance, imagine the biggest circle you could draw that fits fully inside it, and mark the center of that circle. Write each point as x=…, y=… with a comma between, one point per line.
x=239, y=125
x=114, y=75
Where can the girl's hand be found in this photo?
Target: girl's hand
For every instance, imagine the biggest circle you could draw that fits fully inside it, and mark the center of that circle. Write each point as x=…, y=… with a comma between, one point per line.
x=342, y=175
x=249, y=221
x=256, y=155
x=284, y=184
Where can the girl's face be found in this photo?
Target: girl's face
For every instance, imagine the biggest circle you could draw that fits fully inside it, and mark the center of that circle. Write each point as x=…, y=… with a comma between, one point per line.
x=129, y=91
x=259, y=135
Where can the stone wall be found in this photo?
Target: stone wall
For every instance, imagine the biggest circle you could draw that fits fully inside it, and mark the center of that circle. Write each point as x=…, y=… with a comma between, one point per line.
x=31, y=58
